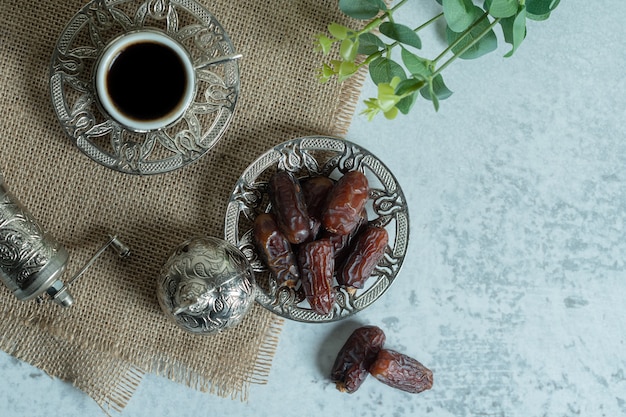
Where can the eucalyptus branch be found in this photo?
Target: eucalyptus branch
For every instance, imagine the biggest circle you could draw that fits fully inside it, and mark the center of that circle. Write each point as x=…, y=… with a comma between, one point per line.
x=469, y=32
x=460, y=38
x=465, y=48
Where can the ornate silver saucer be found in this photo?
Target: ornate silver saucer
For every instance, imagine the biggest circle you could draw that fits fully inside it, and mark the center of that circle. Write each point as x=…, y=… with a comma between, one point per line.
x=156, y=151
x=332, y=157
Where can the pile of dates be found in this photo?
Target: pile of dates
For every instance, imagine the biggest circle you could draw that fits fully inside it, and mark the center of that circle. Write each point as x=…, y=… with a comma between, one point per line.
x=317, y=231
x=364, y=353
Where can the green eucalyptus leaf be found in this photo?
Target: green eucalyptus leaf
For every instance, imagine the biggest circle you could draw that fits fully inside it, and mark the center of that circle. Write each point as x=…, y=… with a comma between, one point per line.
x=514, y=30
x=383, y=70
x=410, y=85
x=406, y=104
x=362, y=9
x=381, y=5
x=541, y=7
x=416, y=65
x=349, y=49
x=459, y=14
x=537, y=18
x=370, y=44
x=325, y=73
x=502, y=8
x=323, y=44
x=391, y=113
x=436, y=89
x=387, y=97
x=345, y=70
x=481, y=44
x=338, y=31
x=401, y=33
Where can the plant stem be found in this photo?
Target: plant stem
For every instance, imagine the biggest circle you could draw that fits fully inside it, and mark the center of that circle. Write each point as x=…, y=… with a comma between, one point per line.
x=378, y=21
x=465, y=48
x=394, y=8
x=463, y=35
x=423, y=25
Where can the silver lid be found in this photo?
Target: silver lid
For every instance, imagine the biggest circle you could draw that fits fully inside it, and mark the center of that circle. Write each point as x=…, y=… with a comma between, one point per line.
x=206, y=286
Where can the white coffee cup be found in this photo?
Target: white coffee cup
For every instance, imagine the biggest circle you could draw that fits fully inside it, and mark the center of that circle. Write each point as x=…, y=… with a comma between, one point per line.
x=145, y=80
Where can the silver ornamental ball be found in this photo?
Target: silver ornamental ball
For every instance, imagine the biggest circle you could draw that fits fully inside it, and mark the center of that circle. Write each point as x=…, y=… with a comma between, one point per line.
x=206, y=286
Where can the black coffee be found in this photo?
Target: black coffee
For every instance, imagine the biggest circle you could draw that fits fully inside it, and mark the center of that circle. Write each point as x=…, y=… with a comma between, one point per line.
x=146, y=81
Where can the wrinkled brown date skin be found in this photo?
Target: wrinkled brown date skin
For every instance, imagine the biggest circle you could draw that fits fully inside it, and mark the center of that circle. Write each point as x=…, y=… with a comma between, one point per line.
x=317, y=266
x=316, y=191
x=401, y=371
x=360, y=263
x=289, y=207
x=345, y=203
x=344, y=243
x=355, y=357
x=276, y=250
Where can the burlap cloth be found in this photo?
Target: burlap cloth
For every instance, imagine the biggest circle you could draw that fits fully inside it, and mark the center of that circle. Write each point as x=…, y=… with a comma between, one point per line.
x=116, y=331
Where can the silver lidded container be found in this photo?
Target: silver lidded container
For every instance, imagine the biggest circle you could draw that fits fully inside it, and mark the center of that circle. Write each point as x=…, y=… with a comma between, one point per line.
x=206, y=286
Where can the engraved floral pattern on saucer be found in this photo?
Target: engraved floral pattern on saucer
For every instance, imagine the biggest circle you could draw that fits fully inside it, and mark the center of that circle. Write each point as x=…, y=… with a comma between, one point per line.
x=161, y=150
x=307, y=157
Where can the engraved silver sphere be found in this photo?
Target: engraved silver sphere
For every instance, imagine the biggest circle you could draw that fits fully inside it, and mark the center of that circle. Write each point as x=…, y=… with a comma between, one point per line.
x=206, y=286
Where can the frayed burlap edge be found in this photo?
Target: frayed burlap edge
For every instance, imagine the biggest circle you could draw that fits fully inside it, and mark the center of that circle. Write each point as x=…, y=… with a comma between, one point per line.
x=350, y=92
x=226, y=384
x=23, y=339
x=48, y=352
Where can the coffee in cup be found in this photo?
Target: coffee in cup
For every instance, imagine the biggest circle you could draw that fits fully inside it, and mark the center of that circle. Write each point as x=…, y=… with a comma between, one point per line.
x=145, y=80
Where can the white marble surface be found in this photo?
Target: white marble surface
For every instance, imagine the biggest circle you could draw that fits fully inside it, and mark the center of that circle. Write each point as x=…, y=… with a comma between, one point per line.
x=514, y=289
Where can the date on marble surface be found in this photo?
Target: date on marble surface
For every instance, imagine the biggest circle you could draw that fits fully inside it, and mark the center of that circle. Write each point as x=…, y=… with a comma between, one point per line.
x=364, y=354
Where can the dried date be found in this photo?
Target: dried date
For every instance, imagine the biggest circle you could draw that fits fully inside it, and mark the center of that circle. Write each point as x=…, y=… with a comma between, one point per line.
x=344, y=243
x=355, y=357
x=368, y=251
x=289, y=207
x=317, y=266
x=345, y=203
x=401, y=371
x=275, y=250
x=316, y=191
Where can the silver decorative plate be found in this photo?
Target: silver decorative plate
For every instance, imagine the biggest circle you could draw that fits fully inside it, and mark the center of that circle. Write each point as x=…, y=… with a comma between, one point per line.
x=332, y=157
x=104, y=140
